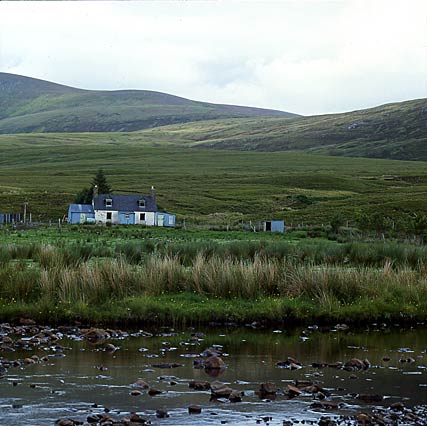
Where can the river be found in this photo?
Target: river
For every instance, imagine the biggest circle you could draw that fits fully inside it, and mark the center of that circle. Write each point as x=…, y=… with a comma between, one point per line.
x=83, y=379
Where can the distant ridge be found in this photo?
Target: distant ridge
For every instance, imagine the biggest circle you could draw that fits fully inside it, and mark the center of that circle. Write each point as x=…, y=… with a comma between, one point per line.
x=396, y=131
x=32, y=105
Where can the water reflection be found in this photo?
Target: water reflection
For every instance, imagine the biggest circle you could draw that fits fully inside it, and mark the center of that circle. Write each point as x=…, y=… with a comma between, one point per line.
x=88, y=379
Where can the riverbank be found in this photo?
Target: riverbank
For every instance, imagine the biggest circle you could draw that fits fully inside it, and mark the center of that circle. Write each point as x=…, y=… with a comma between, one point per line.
x=111, y=280
x=187, y=309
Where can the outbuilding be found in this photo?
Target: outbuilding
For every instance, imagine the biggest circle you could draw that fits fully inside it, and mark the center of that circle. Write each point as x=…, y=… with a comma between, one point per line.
x=80, y=213
x=274, y=226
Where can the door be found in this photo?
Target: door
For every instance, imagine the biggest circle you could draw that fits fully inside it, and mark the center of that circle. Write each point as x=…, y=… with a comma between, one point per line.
x=160, y=220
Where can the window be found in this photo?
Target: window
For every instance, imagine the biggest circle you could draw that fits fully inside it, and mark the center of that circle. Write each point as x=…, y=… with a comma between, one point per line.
x=141, y=203
x=142, y=217
x=109, y=215
x=108, y=202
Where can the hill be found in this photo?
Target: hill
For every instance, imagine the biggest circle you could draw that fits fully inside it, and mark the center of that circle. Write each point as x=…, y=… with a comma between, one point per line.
x=396, y=131
x=32, y=105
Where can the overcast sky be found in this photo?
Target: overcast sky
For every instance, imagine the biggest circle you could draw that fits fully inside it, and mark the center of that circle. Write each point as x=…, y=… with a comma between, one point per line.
x=307, y=57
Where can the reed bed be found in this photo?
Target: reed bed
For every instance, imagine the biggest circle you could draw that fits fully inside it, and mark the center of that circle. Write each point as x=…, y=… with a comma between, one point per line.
x=187, y=252
x=105, y=280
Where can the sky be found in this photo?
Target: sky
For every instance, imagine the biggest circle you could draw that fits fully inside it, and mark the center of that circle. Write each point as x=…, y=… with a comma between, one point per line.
x=302, y=56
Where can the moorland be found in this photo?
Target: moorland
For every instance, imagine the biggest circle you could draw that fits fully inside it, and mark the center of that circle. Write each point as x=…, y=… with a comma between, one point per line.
x=355, y=205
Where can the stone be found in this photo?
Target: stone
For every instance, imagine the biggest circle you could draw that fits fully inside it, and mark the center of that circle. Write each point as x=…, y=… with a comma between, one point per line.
x=354, y=364
x=96, y=336
x=199, y=385
x=214, y=363
x=220, y=390
x=153, y=392
x=136, y=393
x=166, y=365
x=194, y=409
x=110, y=348
x=161, y=414
x=369, y=397
x=293, y=391
x=235, y=396
x=135, y=418
x=325, y=405
x=397, y=406
x=141, y=384
x=64, y=422
x=267, y=388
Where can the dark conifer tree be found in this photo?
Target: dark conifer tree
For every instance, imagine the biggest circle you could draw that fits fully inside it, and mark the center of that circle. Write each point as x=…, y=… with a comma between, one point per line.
x=86, y=194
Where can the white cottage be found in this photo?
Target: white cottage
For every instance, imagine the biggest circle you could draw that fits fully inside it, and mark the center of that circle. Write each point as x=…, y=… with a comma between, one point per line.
x=124, y=210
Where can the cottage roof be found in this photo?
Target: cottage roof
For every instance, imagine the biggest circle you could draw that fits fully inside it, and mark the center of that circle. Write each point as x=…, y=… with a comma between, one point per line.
x=125, y=203
x=80, y=208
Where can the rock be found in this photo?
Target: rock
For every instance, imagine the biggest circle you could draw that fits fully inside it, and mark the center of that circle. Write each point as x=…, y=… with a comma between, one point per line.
x=267, y=388
x=141, y=384
x=291, y=363
x=27, y=321
x=214, y=363
x=319, y=364
x=96, y=336
x=220, y=390
x=316, y=389
x=235, y=396
x=355, y=364
x=397, y=406
x=64, y=422
x=136, y=393
x=363, y=419
x=303, y=383
x=293, y=391
x=369, y=397
x=135, y=418
x=29, y=361
x=325, y=405
x=194, y=409
x=153, y=392
x=198, y=385
x=110, y=348
x=162, y=414
x=386, y=358
x=166, y=365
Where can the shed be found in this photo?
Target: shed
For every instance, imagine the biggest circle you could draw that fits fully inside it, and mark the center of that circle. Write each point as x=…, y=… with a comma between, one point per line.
x=165, y=219
x=80, y=213
x=274, y=226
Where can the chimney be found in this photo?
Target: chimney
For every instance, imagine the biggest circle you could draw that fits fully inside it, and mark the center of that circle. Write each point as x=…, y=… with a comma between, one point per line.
x=153, y=193
x=94, y=194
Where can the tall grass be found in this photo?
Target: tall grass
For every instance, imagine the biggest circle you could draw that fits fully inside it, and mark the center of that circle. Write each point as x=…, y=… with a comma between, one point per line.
x=105, y=280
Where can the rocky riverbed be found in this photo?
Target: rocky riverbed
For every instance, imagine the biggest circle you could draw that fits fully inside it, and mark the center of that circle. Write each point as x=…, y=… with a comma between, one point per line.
x=73, y=375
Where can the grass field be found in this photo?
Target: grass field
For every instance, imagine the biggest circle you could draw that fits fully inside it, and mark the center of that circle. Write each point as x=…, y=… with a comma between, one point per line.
x=47, y=170
x=134, y=276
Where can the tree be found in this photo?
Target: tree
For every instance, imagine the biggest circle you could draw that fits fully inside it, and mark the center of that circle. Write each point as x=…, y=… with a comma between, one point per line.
x=86, y=194
x=101, y=181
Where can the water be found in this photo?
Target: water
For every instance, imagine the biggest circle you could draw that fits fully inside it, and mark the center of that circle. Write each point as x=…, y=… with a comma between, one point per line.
x=70, y=385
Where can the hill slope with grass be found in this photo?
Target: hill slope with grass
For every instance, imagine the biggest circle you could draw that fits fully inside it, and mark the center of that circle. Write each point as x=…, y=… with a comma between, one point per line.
x=32, y=105
x=47, y=170
x=396, y=131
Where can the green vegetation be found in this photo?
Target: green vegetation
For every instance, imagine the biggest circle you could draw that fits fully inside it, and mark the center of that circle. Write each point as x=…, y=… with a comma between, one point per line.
x=31, y=105
x=217, y=187
x=395, y=131
x=96, y=277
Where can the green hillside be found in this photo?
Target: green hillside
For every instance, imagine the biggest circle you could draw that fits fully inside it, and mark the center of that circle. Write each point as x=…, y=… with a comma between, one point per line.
x=32, y=105
x=397, y=131
x=47, y=170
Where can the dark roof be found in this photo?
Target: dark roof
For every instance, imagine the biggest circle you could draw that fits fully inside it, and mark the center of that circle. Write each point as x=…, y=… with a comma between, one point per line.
x=80, y=208
x=125, y=203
